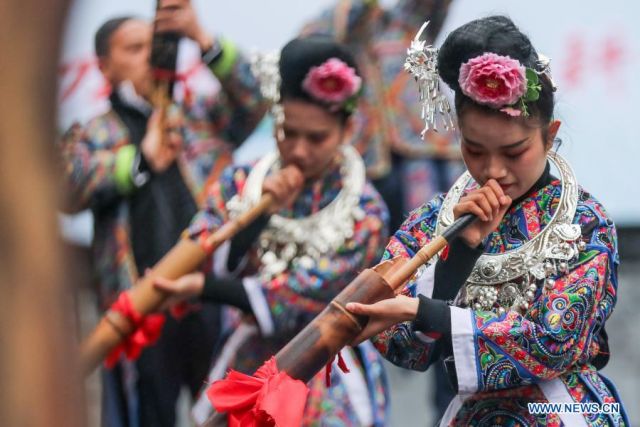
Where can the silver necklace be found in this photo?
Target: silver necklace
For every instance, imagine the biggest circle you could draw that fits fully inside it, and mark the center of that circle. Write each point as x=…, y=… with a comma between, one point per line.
x=510, y=280
x=289, y=242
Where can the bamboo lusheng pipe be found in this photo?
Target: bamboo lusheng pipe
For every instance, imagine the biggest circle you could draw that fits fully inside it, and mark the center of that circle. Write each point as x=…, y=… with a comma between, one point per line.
x=320, y=341
x=163, y=61
x=185, y=257
x=161, y=103
x=335, y=327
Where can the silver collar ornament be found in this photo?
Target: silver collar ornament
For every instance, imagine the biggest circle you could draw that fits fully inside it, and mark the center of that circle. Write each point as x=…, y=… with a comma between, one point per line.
x=306, y=241
x=422, y=64
x=509, y=280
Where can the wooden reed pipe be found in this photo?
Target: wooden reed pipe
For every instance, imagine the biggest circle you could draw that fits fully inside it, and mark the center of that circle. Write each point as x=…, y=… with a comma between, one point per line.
x=320, y=341
x=185, y=257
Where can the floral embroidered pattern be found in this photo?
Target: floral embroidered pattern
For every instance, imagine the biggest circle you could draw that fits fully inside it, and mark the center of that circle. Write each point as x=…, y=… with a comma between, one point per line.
x=557, y=337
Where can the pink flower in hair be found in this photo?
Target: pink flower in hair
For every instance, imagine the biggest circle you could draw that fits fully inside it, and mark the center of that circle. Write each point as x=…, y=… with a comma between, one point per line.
x=493, y=80
x=333, y=82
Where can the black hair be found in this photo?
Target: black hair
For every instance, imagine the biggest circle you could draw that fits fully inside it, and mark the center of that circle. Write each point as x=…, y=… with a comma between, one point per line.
x=102, y=38
x=499, y=35
x=299, y=55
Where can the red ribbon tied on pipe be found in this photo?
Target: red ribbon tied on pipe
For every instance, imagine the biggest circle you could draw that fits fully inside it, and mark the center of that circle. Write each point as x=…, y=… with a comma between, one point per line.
x=341, y=364
x=147, y=331
x=269, y=398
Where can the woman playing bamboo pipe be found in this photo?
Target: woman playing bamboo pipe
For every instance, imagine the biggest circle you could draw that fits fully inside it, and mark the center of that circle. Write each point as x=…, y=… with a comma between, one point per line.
x=516, y=306
x=318, y=236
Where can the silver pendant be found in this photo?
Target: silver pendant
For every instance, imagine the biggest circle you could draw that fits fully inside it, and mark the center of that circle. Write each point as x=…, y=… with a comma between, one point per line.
x=514, y=274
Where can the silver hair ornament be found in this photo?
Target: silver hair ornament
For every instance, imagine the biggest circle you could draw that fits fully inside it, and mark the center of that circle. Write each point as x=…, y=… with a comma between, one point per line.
x=265, y=66
x=422, y=63
x=544, y=67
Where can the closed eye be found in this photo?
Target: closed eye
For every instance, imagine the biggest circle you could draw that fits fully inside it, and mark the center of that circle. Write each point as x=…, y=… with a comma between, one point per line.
x=514, y=155
x=289, y=133
x=473, y=153
x=317, y=137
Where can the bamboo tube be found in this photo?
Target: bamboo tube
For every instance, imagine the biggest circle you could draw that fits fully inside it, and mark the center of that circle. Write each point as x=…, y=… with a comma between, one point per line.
x=184, y=258
x=320, y=341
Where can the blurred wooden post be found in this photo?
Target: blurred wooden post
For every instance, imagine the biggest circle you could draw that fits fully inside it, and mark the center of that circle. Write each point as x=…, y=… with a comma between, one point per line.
x=40, y=384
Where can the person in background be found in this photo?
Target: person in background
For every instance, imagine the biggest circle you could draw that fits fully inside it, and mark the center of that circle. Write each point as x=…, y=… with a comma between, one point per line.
x=399, y=162
x=327, y=224
x=142, y=175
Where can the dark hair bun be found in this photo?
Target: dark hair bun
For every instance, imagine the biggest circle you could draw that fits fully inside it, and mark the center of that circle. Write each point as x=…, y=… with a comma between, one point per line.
x=499, y=35
x=300, y=54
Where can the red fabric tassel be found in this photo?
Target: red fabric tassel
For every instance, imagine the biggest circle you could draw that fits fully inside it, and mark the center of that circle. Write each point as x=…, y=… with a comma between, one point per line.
x=327, y=374
x=147, y=331
x=269, y=398
x=341, y=364
x=445, y=253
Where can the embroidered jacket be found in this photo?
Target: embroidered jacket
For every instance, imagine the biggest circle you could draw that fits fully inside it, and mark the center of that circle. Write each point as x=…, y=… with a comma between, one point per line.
x=287, y=302
x=503, y=362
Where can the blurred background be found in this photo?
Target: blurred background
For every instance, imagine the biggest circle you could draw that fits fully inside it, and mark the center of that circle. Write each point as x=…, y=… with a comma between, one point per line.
x=595, y=53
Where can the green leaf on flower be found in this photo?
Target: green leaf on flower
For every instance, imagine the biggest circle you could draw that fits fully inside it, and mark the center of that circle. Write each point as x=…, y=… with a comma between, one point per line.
x=532, y=94
x=350, y=104
x=533, y=86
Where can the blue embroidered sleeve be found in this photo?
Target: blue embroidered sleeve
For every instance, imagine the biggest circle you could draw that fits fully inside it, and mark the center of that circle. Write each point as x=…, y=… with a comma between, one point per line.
x=400, y=344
